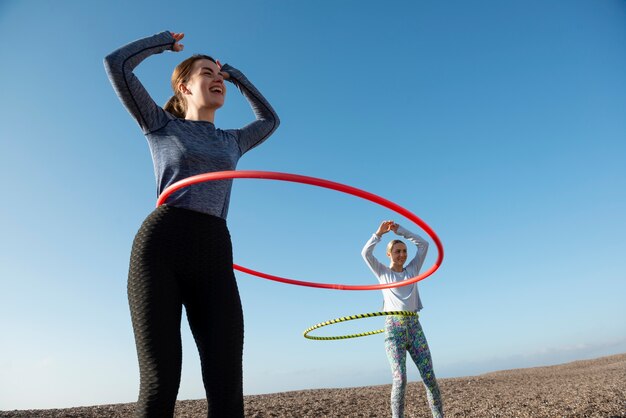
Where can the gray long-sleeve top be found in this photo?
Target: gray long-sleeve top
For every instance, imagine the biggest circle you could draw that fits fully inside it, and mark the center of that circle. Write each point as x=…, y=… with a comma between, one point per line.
x=182, y=148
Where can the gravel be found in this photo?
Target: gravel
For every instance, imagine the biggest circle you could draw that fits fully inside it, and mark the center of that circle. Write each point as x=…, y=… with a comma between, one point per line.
x=588, y=388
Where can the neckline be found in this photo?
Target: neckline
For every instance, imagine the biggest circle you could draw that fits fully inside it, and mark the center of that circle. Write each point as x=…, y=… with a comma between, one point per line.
x=197, y=121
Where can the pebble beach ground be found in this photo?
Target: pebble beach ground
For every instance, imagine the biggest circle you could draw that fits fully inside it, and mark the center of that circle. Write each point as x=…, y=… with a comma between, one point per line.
x=588, y=388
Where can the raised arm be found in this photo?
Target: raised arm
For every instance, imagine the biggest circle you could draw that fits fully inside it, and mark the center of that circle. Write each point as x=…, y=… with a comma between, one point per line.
x=119, y=66
x=266, y=121
x=376, y=266
x=420, y=243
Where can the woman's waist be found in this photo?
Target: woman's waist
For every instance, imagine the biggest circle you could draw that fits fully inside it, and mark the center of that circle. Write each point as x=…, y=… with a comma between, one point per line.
x=402, y=320
x=176, y=221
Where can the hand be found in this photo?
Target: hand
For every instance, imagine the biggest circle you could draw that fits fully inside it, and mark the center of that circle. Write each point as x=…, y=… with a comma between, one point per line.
x=224, y=74
x=385, y=227
x=394, y=228
x=177, y=47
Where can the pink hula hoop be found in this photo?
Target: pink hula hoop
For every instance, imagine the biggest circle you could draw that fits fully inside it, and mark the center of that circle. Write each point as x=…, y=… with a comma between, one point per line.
x=295, y=178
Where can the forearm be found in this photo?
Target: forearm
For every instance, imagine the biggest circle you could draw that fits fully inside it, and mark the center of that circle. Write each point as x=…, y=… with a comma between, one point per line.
x=127, y=57
x=419, y=242
x=119, y=66
x=368, y=253
x=267, y=119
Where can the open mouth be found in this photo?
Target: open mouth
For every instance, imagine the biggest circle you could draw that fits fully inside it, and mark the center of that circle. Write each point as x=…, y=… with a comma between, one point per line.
x=218, y=90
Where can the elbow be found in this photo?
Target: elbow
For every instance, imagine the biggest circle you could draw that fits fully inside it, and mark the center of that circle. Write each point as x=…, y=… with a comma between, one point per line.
x=111, y=62
x=273, y=123
x=276, y=121
x=107, y=63
x=267, y=120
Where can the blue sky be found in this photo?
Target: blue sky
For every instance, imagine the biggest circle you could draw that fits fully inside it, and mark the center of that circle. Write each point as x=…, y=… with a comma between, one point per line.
x=499, y=123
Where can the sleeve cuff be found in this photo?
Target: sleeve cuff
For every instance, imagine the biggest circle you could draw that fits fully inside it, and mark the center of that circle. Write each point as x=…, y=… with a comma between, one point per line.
x=232, y=72
x=168, y=34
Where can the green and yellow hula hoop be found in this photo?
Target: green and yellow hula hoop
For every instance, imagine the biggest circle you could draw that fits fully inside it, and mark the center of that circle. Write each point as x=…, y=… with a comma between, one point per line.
x=351, y=318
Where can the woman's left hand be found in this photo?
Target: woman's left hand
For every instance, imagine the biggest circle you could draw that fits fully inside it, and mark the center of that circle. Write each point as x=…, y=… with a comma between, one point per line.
x=177, y=47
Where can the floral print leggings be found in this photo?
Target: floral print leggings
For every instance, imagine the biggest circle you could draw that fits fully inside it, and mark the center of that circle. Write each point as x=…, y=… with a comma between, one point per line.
x=402, y=334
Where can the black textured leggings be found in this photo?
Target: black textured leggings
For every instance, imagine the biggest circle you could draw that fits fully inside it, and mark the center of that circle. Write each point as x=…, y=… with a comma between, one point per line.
x=181, y=257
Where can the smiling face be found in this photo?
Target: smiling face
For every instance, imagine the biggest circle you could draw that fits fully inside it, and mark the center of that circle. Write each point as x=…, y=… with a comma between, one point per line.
x=397, y=254
x=205, y=87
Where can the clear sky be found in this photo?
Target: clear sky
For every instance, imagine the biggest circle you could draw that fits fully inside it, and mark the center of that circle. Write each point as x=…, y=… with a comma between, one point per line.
x=499, y=123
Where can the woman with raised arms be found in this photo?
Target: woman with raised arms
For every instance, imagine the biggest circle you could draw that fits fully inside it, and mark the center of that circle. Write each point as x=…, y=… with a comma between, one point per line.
x=182, y=254
x=403, y=333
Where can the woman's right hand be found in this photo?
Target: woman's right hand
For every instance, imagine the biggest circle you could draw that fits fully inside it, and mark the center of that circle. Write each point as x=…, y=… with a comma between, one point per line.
x=385, y=227
x=177, y=47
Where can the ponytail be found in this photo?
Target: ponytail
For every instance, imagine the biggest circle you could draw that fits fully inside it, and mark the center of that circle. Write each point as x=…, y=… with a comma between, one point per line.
x=176, y=106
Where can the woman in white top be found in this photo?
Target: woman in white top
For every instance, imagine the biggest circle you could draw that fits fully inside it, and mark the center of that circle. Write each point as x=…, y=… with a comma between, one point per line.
x=403, y=333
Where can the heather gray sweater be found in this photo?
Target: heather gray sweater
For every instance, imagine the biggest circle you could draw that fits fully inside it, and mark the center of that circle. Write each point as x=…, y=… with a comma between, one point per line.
x=182, y=148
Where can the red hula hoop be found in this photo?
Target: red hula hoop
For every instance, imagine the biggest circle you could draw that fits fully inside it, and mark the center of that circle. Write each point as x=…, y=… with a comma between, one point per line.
x=295, y=178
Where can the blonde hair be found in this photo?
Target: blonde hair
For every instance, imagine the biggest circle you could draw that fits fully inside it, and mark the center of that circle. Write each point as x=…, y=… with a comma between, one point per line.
x=177, y=105
x=392, y=243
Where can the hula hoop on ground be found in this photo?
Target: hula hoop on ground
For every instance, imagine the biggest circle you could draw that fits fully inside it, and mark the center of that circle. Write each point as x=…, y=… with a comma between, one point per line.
x=295, y=178
x=306, y=332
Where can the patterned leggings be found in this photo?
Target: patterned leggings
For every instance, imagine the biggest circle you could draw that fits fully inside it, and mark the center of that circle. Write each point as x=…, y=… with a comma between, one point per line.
x=402, y=334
